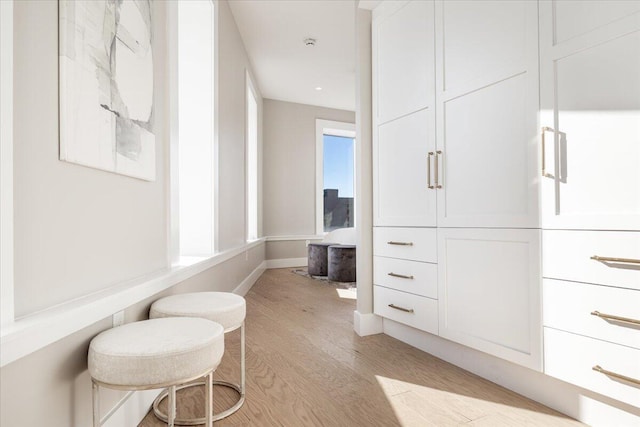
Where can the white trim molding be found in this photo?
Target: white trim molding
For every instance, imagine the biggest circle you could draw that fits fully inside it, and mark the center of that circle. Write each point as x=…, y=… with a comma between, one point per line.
x=245, y=286
x=6, y=163
x=294, y=238
x=286, y=262
x=366, y=324
x=31, y=333
x=327, y=127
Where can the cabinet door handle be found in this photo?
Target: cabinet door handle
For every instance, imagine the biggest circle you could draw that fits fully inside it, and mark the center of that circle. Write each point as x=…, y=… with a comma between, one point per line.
x=437, y=157
x=611, y=259
x=391, y=242
x=402, y=276
x=542, y=145
x=429, y=185
x=598, y=368
x=406, y=310
x=616, y=318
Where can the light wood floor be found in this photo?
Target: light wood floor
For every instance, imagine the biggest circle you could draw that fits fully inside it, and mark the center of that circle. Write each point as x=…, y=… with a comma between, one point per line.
x=307, y=367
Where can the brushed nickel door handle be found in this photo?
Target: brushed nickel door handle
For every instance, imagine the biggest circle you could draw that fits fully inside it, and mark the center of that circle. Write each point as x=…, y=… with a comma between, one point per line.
x=542, y=145
x=429, y=185
x=437, y=157
x=391, y=242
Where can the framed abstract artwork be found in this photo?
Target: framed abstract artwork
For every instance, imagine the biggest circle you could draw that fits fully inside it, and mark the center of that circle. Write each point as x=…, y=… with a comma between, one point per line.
x=106, y=86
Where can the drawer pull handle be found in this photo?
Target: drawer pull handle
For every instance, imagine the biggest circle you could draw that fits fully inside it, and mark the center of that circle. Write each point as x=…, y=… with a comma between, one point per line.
x=406, y=310
x=597, y=368
x=400, y=243
x=429, y=185
x=402, y=276
x=611, y=259
x=617, y=318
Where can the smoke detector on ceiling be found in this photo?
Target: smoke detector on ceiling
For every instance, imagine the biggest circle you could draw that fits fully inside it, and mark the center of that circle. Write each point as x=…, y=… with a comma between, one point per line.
x=309, y=42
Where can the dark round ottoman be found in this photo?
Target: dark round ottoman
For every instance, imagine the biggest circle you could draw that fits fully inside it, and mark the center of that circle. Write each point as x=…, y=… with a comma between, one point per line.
x=342, y=263
x=317, y=258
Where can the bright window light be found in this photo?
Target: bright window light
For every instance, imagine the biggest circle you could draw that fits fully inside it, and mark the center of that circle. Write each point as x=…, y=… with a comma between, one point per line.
x=196, y=127
x=252, y=162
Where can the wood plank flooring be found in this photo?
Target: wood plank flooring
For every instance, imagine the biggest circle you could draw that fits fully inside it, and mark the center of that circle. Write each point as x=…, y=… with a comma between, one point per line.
x=307, y=367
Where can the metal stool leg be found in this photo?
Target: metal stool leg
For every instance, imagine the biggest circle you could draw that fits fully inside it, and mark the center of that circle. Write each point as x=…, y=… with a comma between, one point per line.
x=171, y=410
x=209, y=400
x=240, y=388
x=242, y=360
x=95, y=392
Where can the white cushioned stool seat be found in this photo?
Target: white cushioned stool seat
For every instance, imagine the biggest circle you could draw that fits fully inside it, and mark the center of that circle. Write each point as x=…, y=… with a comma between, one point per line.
x=222, y=307
x=156, y=352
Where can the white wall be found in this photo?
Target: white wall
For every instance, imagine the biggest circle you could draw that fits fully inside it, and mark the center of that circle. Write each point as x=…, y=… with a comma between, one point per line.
x=289, y=176
x=79, y=230
x=364, y=166
x=233, y=61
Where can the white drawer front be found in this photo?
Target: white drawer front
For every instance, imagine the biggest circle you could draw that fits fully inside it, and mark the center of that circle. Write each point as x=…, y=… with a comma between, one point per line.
x=419, y=278
x=417, y=244
x=425, y=310
x=571, y=358
x=568, y=306
x=567, y=256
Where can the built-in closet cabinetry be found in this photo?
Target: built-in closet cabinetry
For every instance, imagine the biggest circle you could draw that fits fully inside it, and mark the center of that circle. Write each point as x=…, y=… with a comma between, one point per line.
x=404, y=204
x=507, y=181
x=462, y=160
x=590, y=113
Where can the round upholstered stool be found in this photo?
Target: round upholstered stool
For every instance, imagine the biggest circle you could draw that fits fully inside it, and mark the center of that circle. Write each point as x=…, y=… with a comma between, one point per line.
x=222, y=307
x=317, y=258
x=342, y=263
x=153, y=354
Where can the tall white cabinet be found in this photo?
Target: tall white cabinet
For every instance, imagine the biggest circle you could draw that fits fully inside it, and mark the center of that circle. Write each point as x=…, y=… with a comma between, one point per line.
x=465, y=164
x=590, y=114
x=507, y=181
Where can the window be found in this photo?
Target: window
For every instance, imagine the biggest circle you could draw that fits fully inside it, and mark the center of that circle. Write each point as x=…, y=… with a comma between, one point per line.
x=252, y=161
x=193, y=180
x=335, y=178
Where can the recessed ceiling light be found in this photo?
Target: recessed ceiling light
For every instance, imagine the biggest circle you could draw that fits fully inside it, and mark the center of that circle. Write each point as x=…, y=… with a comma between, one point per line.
x=318, y=88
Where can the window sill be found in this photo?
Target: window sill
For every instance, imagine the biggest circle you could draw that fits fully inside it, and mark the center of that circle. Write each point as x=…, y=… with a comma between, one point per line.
x=28, y=334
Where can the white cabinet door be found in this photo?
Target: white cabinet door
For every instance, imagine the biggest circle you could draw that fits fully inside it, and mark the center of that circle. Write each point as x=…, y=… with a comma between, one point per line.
x=402, y=196
x=487, y=104
x=402, y=59
x=590, y=96
x=489, y=292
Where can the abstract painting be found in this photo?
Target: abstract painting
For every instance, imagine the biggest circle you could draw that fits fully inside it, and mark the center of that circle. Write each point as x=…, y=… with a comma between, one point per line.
x=106, y=86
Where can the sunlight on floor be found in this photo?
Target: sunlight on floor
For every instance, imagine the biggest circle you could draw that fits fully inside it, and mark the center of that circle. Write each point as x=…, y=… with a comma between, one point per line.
x=347, y=293
x=418, y=405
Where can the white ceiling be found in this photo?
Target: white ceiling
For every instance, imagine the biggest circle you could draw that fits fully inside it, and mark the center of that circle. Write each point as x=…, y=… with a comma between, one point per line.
x=273, y=32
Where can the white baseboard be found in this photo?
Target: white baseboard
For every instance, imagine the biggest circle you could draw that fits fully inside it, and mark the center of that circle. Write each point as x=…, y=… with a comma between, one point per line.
x=250, y=280
x=287, y=262
x=583, y=405
x=133, y=410
x=366, y=324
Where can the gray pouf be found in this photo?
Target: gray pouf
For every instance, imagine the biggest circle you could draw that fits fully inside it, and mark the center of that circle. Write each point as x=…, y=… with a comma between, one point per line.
x=342, y=263
x=317, y=258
